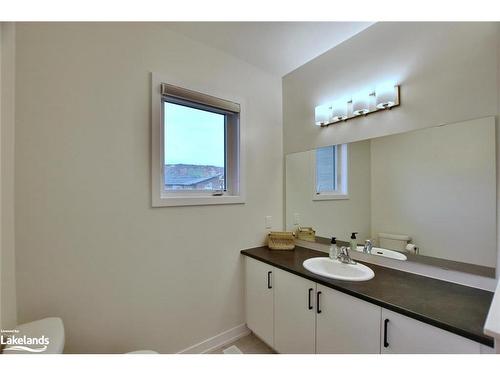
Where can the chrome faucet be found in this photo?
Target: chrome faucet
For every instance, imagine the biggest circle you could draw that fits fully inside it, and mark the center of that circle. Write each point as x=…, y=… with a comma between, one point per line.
x=367, y=249
x=344, y=256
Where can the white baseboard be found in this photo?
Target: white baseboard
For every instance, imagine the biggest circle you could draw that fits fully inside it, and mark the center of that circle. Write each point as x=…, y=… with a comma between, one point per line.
x=217, y=341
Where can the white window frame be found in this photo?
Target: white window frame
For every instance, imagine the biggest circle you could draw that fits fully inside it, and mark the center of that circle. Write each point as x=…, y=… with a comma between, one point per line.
x=234, y=153
x=342, y=176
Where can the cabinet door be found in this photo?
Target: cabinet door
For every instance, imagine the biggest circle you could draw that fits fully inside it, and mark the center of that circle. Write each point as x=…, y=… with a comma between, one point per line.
x=403, y=335
x=259, y=299
x=294, y=314
x=345, y=324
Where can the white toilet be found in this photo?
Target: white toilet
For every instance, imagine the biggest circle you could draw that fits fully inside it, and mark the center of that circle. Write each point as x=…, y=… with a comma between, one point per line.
x=51, y=329
x=396, y=242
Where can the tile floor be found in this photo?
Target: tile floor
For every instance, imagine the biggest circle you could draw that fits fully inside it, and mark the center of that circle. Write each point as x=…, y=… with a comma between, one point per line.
x=249, y=344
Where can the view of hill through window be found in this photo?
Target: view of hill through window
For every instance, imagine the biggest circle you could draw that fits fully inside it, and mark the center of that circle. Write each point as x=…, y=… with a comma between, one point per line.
x=194, y=149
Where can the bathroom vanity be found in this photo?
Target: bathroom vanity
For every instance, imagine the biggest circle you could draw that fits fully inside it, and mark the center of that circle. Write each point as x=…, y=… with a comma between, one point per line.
x=296, y=311
x=423, y=206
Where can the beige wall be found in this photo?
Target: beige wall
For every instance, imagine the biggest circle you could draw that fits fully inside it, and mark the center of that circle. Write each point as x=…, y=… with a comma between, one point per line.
x=449, y=72
x=7, y=257
x=438, y=185
x=90, y=248
x=330, y=217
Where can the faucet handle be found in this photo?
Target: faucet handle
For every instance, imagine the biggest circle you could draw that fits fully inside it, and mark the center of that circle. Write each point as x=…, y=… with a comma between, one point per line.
x=344, y=256
x=367, y=249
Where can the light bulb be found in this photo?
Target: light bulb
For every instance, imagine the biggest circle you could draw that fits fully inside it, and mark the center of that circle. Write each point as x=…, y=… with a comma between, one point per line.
x=339, y=110
x=386, y=95
x=322, y=114
x=361, y=103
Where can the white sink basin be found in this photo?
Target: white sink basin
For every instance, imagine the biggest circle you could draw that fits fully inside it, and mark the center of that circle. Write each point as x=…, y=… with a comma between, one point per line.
x=337, y=270
x=385, y=253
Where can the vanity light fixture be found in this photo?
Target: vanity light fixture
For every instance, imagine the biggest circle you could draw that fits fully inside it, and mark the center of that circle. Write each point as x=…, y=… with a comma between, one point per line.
x=384, y=97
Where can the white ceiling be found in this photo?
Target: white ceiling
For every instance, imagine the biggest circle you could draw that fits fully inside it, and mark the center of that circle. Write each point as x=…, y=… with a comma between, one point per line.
x=276, y=47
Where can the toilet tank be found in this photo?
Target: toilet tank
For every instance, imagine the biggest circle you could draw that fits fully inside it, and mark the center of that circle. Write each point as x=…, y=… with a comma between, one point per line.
x=396, y=242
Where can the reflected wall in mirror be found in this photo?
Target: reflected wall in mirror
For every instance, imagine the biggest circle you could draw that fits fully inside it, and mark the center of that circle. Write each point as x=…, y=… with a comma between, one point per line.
x=436, y=186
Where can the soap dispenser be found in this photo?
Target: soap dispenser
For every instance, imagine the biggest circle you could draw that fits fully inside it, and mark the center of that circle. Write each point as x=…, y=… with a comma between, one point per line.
x=353, y=242
x=333, y=249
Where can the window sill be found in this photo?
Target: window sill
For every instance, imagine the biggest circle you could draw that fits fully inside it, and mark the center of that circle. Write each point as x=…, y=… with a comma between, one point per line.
x=330, y=197
x=197, y=201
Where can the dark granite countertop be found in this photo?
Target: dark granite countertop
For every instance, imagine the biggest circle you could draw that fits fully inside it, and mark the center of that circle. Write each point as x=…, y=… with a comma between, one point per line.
x=453, y=307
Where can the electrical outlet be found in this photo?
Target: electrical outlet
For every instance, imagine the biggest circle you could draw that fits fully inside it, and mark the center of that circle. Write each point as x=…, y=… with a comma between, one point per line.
x=268, y=222
x=296, y=219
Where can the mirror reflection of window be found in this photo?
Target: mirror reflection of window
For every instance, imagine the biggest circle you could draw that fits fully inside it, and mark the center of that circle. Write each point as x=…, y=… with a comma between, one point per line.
x=326, y=169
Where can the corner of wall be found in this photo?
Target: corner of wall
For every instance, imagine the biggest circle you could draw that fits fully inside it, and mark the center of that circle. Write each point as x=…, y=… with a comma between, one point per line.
x=1, y=47
x=497, y=131
x=8, y=303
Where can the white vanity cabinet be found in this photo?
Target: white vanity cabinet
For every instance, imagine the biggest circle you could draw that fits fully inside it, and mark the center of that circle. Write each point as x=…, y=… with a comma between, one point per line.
x=403, y=335
x=294, y=313
x=259, y=299
x=345, y=324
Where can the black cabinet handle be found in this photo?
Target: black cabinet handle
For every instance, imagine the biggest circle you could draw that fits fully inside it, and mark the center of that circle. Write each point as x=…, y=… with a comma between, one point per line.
x=309, y=302
x=318, y=310
x=269, y=286
x=386, y=343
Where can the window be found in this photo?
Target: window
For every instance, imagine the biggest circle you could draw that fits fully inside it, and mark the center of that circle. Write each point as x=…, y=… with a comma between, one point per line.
x=330, y=177
x=196, y=150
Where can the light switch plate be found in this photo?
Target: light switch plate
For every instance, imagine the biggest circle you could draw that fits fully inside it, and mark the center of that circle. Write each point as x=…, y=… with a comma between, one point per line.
x=268, y=222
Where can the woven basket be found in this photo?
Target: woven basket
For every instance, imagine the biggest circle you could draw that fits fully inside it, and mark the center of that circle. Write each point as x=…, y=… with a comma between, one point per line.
x=281, y=241
x=306, y=234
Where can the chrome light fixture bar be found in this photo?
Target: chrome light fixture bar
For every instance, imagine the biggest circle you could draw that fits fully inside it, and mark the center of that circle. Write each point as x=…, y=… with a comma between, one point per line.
x=362, y=104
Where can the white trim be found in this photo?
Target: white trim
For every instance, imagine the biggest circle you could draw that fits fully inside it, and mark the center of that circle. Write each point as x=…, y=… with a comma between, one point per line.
x=198, y=201
x=155, y=136
x=158, y=198
x=329, y=196
x=218, y=341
